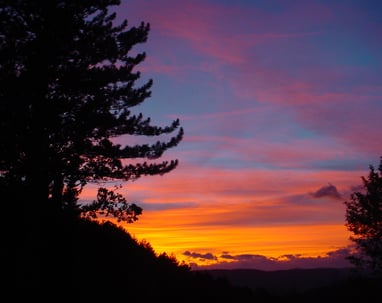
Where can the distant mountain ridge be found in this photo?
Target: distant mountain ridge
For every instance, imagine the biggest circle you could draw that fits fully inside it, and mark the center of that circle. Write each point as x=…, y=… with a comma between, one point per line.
x=284, y=281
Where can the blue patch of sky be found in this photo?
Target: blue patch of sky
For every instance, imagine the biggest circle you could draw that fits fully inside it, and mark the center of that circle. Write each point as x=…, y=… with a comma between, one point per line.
x=269, y=5
x=345, y=48
x=342, y=163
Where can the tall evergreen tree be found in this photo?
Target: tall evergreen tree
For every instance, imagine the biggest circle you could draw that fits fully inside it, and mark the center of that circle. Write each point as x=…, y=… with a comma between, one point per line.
x=68, y=83
x=364, y=220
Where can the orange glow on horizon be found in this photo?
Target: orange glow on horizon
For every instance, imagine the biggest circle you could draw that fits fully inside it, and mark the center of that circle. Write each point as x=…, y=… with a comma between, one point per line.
x=166, y=235
x=238, y=212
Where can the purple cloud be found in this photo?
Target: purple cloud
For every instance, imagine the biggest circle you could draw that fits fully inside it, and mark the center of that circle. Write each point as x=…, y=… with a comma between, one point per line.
x=333, y=259
x=207, y=256
x=327, y=191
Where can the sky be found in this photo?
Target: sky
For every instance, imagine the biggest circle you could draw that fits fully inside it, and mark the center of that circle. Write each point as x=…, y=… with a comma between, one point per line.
x=281, y=106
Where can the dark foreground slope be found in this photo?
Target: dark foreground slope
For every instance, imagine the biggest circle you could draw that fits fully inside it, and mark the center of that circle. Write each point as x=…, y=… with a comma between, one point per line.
x=285, y=281
x=88, y=261
x=84, y=261
x=324, y=285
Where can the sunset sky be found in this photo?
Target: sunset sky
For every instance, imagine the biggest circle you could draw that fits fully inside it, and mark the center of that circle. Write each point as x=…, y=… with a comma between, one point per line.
x=281, y=105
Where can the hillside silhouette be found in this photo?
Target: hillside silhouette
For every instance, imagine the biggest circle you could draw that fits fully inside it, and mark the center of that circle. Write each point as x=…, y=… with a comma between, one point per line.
x=92, y=261
x=281, y=282
x=305, y=285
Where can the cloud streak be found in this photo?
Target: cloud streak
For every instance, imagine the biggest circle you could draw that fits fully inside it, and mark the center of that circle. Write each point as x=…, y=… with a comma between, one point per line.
x=333, y=259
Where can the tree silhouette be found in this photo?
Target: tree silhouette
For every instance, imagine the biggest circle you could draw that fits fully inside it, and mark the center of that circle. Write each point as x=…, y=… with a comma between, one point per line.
x=364, y=220
x=68, y=83
x=111, y=203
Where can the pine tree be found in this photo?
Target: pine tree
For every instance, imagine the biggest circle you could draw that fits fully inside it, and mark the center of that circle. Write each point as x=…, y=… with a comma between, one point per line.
x=364, y=220
x=68, y=83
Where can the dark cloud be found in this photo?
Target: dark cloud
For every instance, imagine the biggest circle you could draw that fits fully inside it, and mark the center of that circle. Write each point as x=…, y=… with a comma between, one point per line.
x=207, y=256
x=327, y=191
x=333, y=259
x=227, y=256
x=253, y=258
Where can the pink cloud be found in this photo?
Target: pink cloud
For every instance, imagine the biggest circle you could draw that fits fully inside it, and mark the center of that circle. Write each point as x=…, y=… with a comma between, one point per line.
x=258, y=143
x=211, y=186
x=212, y=29
x=330, y=99
x=350, y=116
